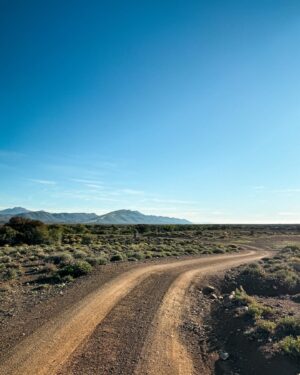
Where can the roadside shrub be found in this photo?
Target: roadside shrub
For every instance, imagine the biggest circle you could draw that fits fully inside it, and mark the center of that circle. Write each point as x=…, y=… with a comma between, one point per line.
x=101, y=260
x=266, y=326
x=218, y=251
x=79, y=254
x=10, y=274
x=67, y=278
x=291, y=346
x=92, y=261
x=272, y=276
x=138, y=256
x=76, y=269
x=49, y=268
x=160, y=255
x=289, y=326
x=5, y=259
x=60, y=258
x=256, y=309
x=116, y=258
x=190, y=252
x=296, y=298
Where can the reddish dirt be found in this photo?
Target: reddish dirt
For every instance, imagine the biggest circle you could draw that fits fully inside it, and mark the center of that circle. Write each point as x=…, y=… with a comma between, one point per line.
x=210, y=326
x=115, y=315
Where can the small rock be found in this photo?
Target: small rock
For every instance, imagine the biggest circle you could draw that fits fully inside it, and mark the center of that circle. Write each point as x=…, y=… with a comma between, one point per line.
x=208, y=289
x=224, y=355
x=213, y=296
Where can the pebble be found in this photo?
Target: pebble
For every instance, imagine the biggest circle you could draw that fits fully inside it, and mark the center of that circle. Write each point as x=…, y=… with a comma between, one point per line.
x=224, y=355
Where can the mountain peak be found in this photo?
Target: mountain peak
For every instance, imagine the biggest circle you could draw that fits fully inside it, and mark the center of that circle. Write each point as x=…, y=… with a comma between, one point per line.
x=14, y=211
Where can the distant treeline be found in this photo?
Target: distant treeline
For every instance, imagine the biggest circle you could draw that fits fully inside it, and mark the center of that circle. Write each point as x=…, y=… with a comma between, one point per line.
x=33, y=232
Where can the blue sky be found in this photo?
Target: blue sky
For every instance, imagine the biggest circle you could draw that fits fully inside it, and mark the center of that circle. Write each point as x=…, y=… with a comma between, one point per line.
x=180, y=108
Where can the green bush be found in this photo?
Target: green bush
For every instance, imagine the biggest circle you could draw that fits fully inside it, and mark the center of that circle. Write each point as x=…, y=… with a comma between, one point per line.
x=218, y=251
x=8, y=235
x=289, y=325
x=272, y=276
x=101, y=260
x=5, y=259
x=60, y=258
x=266, y=326
x=91, y=260
x=21, y=230
x=79, y=254
x=116, y=258
x=291, y=346
x=138, y=256
x=256, y=309
x=88, y=239
x=10, y=274
x=78, y=268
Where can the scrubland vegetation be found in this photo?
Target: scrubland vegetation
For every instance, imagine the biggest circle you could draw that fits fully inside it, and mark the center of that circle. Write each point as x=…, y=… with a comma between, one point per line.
x=40, y=253
x=263, y=307
x=39, y=262
x=272, y=276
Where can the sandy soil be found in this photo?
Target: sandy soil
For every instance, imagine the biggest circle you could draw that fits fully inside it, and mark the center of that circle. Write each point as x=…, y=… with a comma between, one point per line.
x=60, y=344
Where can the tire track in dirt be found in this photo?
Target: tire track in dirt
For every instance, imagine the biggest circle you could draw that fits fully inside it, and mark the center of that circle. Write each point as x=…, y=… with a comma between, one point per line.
x=51, y=345
x=164, y=353
x=116, y=343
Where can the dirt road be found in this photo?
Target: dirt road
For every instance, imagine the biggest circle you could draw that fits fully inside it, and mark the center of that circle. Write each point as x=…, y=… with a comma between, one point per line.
x=126, y=326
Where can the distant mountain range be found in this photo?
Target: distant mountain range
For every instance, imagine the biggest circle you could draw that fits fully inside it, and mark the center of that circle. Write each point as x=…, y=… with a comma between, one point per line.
x=115, y=217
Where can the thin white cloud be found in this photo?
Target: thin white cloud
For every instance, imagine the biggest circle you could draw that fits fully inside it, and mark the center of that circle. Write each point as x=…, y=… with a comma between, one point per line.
x=86, y=181
x=132, y=192
x=94, y=186
x=287, y=191
x=43, y=182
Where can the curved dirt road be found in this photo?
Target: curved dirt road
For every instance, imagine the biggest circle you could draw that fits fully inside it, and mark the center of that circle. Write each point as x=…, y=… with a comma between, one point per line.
x=135, y=315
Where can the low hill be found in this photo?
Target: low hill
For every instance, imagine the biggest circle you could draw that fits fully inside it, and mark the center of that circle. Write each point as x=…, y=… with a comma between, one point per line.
x=136, y=217
x=115, y=217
